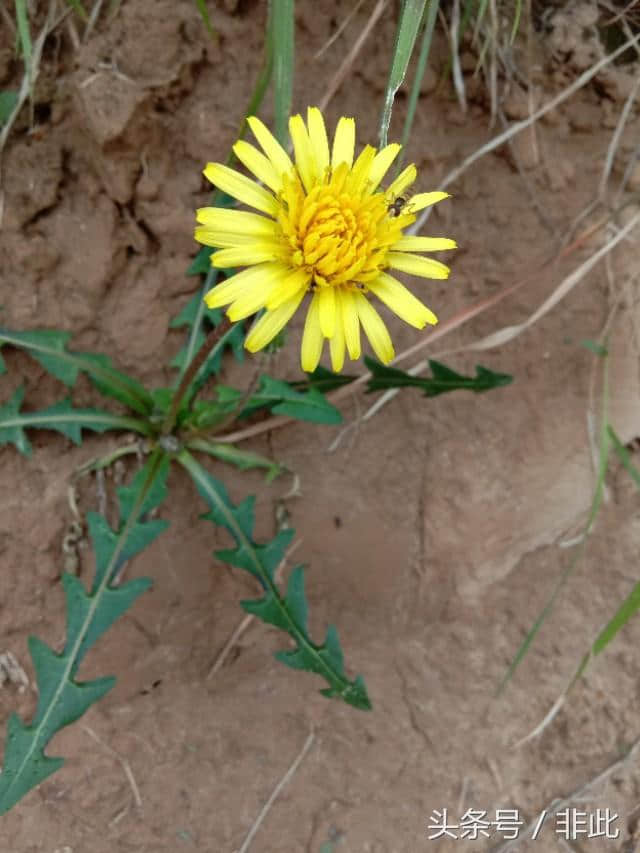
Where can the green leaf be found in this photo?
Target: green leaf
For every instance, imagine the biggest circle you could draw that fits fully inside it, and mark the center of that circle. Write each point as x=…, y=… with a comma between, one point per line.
x=61, y=417
x=48, y=347
x=322, y=379
x=624, y=456
x=77, y=6
x=8, y=101
x=61, y=698
x=430, y=14
x=594, y=347
x=288, y=612
x=242, y=459
x=282, y=399
x=626, y=610
x=24, y=33
x=201, y=264
x=442, y=381
x=408, y=28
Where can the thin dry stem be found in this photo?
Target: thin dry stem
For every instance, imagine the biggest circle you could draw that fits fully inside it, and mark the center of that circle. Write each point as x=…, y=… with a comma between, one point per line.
x=501, y=138
x=123, y=762
x=276, y=791
x=558, y=804
x=344, y=24
x=340, y=75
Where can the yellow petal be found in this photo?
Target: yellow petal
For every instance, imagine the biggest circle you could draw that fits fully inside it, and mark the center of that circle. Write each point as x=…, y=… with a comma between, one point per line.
x=401, y=301
x=234, y=286
x=381, y=163
x=319, y=141
x=404, y=180
x=375, y=329
x=414, y=264
x=305, y=163
x=344, y=143
x=257, y=163
x=222, y=240
x=270, y=145
x=422, y=200
x=256, y=296
x=236, y=222
x=327, y=310
x=242, y=256
x=267, y=327
x=312, y=339
x=288, y=287
x=423, y=244
x=350, y=324
x=336, y=342
x=243, y=188
x=361, y=170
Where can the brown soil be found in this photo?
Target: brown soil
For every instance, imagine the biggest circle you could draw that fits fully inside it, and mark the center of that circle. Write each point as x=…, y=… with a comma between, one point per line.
x=432, y=532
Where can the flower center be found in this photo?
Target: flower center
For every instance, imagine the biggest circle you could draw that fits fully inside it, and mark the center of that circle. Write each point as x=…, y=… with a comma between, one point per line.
x=340, y=236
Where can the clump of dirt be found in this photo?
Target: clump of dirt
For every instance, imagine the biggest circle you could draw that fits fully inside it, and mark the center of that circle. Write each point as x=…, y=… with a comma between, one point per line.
x=432, y=529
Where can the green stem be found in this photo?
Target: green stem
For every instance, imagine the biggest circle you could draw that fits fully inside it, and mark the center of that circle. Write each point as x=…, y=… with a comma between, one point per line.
x=191, y=372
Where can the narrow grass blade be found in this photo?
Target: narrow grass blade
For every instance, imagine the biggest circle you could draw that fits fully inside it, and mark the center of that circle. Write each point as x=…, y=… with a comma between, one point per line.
x=407, y=33
x=24, y=31
x=431, y=13
x=204, y=14
x=595, y=507
x=281, y=33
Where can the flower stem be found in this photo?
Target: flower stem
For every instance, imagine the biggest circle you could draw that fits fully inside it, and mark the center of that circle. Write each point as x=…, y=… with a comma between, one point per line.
x=190, y=373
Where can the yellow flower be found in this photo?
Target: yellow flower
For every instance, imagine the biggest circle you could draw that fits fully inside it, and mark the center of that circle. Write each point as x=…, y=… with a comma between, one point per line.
x=323, y=227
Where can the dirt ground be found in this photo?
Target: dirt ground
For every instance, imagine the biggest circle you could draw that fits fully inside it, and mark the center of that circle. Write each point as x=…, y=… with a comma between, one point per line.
x=433, y=532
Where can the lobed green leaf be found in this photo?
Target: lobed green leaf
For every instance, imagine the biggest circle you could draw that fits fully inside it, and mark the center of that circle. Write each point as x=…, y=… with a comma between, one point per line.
x=61, y=698
x=443, y=379
x=288, y=612
x=49, y=348
x=61, y=417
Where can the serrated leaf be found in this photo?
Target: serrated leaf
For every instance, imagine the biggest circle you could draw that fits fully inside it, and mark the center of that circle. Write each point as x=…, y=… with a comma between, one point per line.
x=48, y=347
x=281, y=398
x=443, y=379
x=61, y=417
x=62, y=699
x=287, y=612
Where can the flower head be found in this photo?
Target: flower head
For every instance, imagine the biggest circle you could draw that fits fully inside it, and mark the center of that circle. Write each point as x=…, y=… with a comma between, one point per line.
x=323, y=227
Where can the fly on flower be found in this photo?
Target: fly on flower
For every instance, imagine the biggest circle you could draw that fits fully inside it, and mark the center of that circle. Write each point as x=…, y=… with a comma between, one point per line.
x=324, y=227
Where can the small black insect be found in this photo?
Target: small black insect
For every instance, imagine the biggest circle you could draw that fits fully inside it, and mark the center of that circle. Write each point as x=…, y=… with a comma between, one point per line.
x=396, y=207
x=337, y=521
